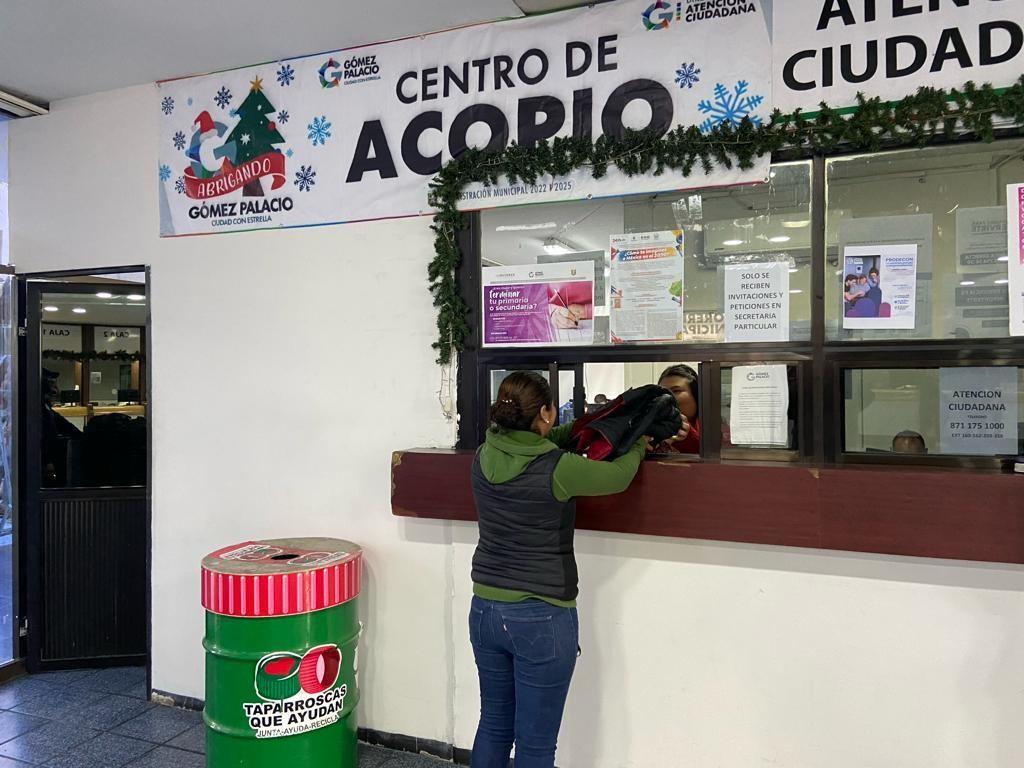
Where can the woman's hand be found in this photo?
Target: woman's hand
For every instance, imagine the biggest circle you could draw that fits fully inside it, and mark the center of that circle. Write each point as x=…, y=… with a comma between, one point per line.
x=666, y=445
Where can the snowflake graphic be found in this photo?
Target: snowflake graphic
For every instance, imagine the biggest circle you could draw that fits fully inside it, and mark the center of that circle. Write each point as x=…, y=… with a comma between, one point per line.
x=282, y=116
x=245, y=139
x=179, y=185
x=285, y=75
x=167, y=105
x=165, y=172
x=179, y=140
x=687, y=75
x=319, y=130
x=223, y=97
x=304, y=178
x=730, y=107
x=289, y=153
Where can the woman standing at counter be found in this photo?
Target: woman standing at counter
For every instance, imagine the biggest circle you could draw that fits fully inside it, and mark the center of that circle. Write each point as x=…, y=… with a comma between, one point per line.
x=682, y=381
x=523, y=623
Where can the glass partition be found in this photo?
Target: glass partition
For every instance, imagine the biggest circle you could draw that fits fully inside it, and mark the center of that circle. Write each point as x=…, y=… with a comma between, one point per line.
x=948, y=206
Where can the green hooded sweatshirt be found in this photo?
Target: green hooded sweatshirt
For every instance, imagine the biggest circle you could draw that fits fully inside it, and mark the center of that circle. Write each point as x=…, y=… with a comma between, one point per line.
x=506, y=454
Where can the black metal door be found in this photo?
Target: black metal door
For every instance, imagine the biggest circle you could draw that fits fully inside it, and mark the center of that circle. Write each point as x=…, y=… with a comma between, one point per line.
x=84, y=546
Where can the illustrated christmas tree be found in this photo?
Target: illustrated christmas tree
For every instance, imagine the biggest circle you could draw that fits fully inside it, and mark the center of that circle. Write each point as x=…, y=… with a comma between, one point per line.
x=255, y=134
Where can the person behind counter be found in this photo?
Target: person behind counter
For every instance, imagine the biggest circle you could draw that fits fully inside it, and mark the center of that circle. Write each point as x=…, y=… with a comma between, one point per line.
x=681, y=381
x=909, y=441
x=523, y=624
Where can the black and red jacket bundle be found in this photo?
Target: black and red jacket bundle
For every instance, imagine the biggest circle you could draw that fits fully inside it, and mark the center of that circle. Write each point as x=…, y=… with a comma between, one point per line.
x=611, y=431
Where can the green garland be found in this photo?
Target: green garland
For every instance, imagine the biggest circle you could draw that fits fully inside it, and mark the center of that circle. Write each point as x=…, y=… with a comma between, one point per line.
x=915, y=121
x=81, y=357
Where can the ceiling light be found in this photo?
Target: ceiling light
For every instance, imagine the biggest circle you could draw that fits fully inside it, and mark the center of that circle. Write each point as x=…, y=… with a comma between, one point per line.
x=78, y=311
x=104, y=295
x=1003, y=258
x=793, y=269
x=732, y=242
x=135, y=297
x=796, y=290
x=779, y=239
x=50, y=308
x=796, y=224
x=966, y=282
x=19, y=107
x=771, y=175
x=554, y=246
x=1002, y=281
x=525, y=227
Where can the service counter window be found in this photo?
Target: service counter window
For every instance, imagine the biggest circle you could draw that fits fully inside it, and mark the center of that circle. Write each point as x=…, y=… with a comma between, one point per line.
x=917, y=243
x=748, y=241
x=956, y=410
x=846, y=310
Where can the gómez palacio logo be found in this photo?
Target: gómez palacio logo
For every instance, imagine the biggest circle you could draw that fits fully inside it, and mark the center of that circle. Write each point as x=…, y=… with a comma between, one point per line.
x=223, y=161
x=661, y=14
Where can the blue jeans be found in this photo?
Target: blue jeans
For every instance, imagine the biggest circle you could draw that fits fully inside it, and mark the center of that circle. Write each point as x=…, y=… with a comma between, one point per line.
x=525, y=655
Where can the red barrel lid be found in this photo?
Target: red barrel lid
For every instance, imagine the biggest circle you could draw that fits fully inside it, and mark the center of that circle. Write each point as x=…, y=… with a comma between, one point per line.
x=281, y=577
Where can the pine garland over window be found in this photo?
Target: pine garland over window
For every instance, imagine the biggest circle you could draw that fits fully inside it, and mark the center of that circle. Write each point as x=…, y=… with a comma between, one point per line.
x=928, y=116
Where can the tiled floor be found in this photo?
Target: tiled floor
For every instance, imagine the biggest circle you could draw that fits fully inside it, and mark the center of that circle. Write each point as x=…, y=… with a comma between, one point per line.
x=101, y=719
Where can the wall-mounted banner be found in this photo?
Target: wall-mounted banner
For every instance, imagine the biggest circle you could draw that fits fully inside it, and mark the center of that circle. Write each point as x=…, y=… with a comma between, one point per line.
x=1015, y=225
x=647, y=286
x=829, y=50
x=757, y=302
x=539, y=305
x=978, y=410
x=357, y=134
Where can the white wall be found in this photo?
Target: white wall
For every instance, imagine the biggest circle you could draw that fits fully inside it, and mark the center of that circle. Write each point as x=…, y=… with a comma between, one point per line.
x=694, y=653
x=248, y=441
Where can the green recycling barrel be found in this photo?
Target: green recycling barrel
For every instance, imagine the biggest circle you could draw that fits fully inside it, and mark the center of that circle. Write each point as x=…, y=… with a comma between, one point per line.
x=282, y=634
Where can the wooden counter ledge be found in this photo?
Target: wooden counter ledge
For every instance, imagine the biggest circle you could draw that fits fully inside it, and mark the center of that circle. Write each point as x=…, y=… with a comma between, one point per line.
x=922, y=512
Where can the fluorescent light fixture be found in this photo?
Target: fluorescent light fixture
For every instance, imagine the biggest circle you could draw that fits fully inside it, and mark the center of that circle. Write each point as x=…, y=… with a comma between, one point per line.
x=780, y=239
x=50, y=308
x=793, y=269
x=796, y=224
x=966, y=282
x=796, y=290
x=135, y=297
x=1002, y=281
x=732, y=242
x=525, y=227
x=104, y=295
x=553, y=246
x=19, y=107
x=78, y=311
x=1003, y=258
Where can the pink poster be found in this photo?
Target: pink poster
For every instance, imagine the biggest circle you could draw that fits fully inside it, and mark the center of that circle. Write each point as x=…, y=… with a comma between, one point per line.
x=539, y=304
x=1015, y=262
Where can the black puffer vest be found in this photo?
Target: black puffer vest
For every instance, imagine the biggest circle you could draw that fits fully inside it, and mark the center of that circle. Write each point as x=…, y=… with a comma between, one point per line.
x=526, y=534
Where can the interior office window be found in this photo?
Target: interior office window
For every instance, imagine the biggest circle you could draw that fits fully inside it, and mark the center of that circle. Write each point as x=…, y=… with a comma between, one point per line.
x=760, y=407
x=741, y=225
x=962, y=411
x=946, y=206
x=564, y=391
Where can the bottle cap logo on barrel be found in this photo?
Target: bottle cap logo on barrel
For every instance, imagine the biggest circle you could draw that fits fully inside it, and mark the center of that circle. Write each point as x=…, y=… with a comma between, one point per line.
x=298, y=693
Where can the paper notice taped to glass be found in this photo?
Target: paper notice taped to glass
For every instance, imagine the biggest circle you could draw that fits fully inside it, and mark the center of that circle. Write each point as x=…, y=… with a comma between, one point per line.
x=760, y=406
